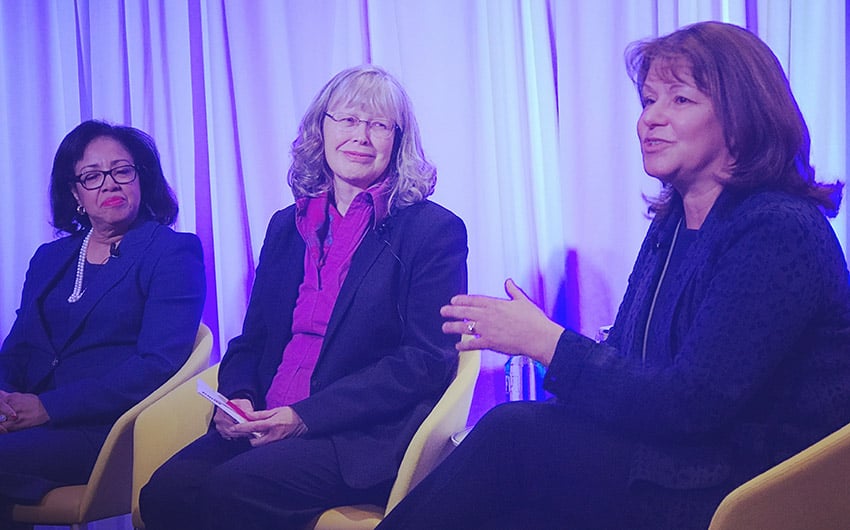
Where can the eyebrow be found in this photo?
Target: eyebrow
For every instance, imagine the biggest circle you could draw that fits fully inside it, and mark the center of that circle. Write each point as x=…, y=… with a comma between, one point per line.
x=112, y=164
x=668, y=86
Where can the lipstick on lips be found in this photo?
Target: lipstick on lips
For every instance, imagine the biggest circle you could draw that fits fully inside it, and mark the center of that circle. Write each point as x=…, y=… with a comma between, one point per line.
x=112, y=201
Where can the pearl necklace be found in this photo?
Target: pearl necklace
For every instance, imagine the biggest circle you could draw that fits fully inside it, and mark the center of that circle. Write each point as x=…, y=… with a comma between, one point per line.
x=81, y=267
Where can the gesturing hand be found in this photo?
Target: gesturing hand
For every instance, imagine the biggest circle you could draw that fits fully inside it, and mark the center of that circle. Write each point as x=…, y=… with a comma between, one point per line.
x=513, y=326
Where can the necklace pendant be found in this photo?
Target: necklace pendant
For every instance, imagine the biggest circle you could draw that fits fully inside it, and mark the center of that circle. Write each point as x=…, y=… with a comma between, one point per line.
x=75, y=297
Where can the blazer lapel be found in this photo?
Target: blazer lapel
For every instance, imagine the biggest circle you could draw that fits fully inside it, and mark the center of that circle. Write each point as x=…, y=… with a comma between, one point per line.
x=132, y=249
x=50, y=270
x=698, y=252
x=364, y=257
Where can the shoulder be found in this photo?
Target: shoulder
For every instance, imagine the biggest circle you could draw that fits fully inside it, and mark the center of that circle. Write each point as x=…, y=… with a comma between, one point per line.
x=165, y=237
x=281, y=234
x=779, y=213
x=780, y=225
x=282, y=220
x=427, y=216
x=58, y=248
x=281, y=227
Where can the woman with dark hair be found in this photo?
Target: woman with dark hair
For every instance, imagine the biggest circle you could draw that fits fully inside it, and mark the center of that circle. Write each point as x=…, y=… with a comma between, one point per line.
x=730, y=351
x=107, y=314
x=341, y=355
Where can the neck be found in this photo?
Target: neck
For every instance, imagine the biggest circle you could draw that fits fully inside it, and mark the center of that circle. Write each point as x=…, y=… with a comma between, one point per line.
x=343, y=194
x=105, y=238
x=102, y=245
x=698, y=201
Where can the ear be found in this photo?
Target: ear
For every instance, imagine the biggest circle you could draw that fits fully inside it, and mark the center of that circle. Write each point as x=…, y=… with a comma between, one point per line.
x=75, y=193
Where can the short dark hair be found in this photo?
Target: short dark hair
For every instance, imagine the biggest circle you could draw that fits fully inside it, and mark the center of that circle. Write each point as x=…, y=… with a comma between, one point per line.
x=157, y=198
x=764, y=128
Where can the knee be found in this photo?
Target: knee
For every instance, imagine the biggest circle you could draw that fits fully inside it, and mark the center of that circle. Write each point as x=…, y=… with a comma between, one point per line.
x=226, y=497
x=514, y=424
x=510, y=417
x=155, y=493
x=163, y=498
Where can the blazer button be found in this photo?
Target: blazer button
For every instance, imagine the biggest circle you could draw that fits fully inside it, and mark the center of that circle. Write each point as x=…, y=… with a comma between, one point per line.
x=314, y=384
x=55, y=362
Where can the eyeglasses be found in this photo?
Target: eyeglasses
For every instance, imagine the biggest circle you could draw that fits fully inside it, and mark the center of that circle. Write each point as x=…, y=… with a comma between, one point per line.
x=378, y=128
x=94, y=179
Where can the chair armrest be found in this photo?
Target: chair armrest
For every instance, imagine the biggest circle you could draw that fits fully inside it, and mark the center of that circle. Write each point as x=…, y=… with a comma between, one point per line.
x=162, y=429
x=809, y=490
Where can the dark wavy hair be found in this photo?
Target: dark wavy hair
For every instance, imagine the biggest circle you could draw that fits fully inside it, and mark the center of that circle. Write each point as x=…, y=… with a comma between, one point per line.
x=410, y=175
x=157, y=198
x=764, y=128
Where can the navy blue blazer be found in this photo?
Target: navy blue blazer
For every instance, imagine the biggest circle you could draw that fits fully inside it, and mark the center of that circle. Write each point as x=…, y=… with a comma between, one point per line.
x=133, y=327
x=756, y=365
x=384, y=361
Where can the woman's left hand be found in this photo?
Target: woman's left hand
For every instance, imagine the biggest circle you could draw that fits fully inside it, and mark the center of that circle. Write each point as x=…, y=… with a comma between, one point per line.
x=513, y=326
x=271, y=425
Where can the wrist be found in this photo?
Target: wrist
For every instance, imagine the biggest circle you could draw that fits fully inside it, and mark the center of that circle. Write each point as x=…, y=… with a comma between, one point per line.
x=547, y=342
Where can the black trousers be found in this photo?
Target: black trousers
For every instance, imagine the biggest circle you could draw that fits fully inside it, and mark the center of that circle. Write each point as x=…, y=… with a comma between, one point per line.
x=530, y=465
x=225, y=484
x=34, y=461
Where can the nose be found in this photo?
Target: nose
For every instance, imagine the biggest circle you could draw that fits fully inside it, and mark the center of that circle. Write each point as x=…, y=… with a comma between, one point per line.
x=653, y=115
x=109, y=182
x=360, y=132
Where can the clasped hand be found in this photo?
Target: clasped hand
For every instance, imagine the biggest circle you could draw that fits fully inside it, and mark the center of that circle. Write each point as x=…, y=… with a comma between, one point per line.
x=21, y=411
x=263, y=426
x=513, y=326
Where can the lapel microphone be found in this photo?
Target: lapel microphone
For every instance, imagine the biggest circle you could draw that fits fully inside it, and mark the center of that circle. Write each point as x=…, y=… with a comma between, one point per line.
x=114, y=252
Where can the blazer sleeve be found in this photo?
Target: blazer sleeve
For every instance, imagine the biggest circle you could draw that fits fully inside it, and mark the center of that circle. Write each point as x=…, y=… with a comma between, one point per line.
x=420, y=366
x=172, y=276
x=766, y=282
x=13, y=356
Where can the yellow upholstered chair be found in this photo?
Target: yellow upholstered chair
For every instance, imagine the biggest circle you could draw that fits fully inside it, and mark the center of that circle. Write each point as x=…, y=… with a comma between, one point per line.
x=167, y=426
x=182, y=416
x=107, y=493
x=810, y=490
x=429, y=446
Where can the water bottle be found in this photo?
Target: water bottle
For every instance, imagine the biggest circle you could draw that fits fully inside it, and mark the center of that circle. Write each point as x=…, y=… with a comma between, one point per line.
x=524, y=379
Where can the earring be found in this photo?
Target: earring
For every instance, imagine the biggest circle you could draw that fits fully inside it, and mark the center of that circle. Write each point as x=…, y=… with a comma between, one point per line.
x=80, y=210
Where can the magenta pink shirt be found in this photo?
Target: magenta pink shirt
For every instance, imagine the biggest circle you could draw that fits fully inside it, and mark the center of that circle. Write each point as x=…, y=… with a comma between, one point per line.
x=331, y=241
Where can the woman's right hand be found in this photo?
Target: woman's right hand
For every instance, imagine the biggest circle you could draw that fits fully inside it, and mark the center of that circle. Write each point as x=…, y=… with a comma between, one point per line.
x=513, y=326
x=224, y=423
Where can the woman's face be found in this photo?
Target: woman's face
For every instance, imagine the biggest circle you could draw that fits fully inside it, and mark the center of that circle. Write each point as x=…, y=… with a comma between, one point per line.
x=681, y=139
x=113, y=207
x=358, y=155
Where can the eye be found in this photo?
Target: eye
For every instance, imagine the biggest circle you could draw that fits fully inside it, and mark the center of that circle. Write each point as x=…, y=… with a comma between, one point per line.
x=681, y=99
x=646, y=101
x=90, y=177
x=348, y=121
x=381, y=125
x=123, y=171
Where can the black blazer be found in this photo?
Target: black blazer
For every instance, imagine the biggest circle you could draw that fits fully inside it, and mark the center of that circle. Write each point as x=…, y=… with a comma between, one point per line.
x=132, y=329
x=384, y=361
x=756, y=365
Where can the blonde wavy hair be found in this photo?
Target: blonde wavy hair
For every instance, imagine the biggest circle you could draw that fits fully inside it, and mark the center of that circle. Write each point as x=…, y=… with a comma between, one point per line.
x=410, y=175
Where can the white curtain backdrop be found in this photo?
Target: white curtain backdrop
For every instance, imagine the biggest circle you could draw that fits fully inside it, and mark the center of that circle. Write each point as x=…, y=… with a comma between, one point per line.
x=525, y=108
